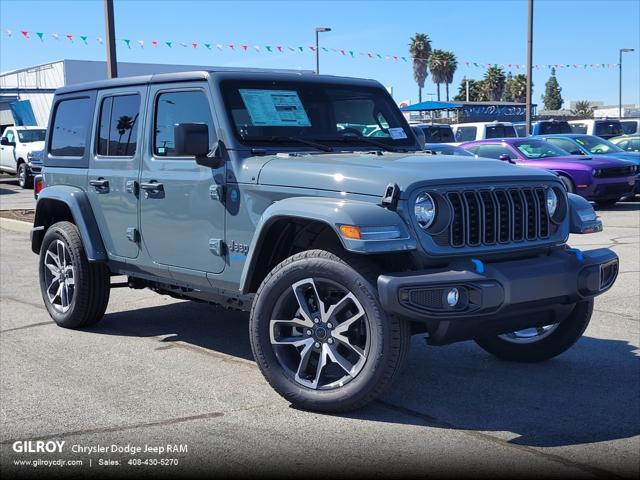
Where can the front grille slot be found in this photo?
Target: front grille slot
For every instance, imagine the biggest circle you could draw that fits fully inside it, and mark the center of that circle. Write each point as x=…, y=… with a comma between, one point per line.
x=498, y=216
x=611, y=172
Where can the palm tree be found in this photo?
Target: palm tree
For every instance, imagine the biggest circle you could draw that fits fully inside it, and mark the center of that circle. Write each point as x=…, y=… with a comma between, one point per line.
x=493, y=83
x=518, y=88
x=438, y=68
x=452, y=66
x=583, y=109
x=420, y=49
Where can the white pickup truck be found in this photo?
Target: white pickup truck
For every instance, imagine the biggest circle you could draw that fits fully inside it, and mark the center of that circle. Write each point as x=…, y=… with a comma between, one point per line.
x=16, y=147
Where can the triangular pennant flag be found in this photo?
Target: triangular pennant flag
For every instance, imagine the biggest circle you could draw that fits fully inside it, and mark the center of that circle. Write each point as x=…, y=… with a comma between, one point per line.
x=168, y=44
x=256, y=48
x=301, y=49
x=370, y=55
x=84, y=39
x=279, y=47
x=208, y=45
x=182, y=44
x=244, y=47
x=268, y=47
x=99, y=40
x=313, y=49
x=69, y=36
x=378, y=55
x=325, y=49
x=141, y=43
x=292, y=49
x=343, y=52
x=127, y=41
x=194, y=45
x=56, y=36
x=351, y=52
x=8, y=32
x=219, y=46
x=40, y=35
x=154, y=43
x=25, y=34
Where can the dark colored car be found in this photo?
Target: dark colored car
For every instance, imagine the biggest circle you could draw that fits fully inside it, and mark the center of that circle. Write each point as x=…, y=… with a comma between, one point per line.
x=577, y=144
x=601, y=179
x=445, y=149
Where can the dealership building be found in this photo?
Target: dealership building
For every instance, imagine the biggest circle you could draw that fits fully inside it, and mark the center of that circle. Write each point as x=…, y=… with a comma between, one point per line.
x=26, y=94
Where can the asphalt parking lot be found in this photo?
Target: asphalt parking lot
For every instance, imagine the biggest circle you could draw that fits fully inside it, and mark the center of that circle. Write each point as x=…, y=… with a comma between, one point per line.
x=159, y=371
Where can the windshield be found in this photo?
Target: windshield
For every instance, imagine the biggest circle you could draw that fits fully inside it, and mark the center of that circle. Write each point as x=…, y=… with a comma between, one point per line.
x=535, y=149
x=597, y=145
x=443, y=149
x=28, y=136
x=320, y=112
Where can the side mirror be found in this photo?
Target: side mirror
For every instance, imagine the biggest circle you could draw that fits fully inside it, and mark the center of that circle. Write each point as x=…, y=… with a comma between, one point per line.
x=4, y=141
x=576, y=152
x=506, y=158
x=192, y=139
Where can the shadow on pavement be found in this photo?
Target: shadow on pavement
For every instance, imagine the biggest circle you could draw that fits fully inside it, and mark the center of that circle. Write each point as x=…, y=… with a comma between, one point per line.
x=6, y=191
x=619, y=207
x=589, y=394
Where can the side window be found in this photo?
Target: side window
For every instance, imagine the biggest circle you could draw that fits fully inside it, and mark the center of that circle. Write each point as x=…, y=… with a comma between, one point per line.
x=634, y=145
x=500, y=131
x=466, y=134
x=10, y=136
x=578, y=127
x=494, y=151
x=173, y=108
x=118, y=129
x=70, y=123
x=564, y=144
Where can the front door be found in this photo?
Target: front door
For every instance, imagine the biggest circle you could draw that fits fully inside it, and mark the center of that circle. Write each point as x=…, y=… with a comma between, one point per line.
x=115, y=167
x=7, y=152
x=182, y=210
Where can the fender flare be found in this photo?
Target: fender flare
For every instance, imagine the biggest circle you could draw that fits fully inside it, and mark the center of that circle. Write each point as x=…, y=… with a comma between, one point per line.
x=333, y=212
x=77, y=202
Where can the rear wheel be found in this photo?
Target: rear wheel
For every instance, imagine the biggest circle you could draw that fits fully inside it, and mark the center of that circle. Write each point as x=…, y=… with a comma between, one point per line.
x=319, y=335
x=542, y=343
x=75, y=291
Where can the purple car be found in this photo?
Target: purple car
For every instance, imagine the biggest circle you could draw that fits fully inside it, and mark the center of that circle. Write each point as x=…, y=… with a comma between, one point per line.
x=601, y=179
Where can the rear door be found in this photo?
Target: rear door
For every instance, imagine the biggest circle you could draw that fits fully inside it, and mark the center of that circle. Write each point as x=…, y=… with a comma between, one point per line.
x=114, y=168
x=182, y=209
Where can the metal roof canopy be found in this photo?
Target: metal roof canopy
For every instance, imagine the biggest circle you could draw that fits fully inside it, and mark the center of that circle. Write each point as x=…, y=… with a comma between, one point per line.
x=430, y=106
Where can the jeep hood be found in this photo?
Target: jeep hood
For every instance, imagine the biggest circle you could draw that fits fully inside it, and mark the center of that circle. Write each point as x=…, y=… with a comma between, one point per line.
x=369, y=174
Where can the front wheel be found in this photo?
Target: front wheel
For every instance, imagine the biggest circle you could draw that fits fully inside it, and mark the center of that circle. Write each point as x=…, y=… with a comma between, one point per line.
x=24, y=179
x=542, y=343
x=319, y=335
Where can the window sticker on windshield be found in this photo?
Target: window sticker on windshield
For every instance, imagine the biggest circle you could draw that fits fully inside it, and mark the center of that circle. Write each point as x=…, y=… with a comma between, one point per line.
x=275, y=108
x=397, y=133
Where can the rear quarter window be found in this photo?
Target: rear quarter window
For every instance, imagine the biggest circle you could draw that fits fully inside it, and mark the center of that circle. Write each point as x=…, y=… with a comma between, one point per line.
x=466, y=134
x=548, y=128
x=629, y=127
x=500, y=131
x=578, y=127
x=608, y=129
x=72, y=119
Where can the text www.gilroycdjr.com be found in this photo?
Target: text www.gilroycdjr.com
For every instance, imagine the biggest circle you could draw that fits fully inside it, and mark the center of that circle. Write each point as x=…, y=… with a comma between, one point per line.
x=47, y=463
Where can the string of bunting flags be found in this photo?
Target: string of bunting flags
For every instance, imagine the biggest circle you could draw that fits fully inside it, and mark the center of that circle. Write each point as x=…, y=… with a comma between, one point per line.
x=279, y=49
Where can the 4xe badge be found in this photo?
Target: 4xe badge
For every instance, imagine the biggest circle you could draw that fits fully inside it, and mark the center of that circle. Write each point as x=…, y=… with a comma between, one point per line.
x=241, y=248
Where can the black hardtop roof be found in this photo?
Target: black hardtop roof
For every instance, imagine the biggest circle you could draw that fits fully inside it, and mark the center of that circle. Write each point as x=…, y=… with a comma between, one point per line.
x=241, y=74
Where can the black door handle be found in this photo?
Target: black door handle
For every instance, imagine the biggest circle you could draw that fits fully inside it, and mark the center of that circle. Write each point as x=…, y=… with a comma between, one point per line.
x=101, y=185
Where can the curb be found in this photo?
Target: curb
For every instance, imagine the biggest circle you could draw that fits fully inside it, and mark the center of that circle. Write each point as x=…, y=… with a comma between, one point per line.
x=15, y=225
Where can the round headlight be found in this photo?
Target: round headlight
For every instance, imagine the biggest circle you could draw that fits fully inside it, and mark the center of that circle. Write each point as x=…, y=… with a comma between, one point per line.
x=425, y=210
x=552, y=201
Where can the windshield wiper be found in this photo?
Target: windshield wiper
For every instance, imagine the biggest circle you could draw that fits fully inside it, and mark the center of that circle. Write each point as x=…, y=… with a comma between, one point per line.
x=355, y=138
x=316, y=145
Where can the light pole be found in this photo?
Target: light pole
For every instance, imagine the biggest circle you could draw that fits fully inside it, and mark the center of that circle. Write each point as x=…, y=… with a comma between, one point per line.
x=112, y=63
x=318, y=30
x=622, y=50
x=529, y=66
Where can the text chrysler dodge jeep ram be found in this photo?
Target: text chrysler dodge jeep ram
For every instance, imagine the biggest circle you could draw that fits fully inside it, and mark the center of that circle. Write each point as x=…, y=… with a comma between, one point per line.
x=254, y=190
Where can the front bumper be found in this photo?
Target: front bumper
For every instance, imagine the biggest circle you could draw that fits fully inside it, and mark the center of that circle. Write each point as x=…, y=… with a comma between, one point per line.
x=608, y=188
x=499, y=297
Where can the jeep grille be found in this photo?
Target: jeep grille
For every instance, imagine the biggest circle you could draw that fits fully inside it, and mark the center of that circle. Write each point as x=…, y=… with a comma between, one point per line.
x=489, y=217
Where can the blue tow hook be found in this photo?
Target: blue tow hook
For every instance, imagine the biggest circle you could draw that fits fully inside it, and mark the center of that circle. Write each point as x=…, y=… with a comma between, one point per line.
x=478, y=264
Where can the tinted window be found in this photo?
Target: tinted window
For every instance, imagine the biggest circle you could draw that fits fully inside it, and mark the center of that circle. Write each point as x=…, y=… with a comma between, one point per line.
x=548, y=128
x=69, y=135
x=173, y=108
x=500, y=131
x=466, y=134
x=578, y=127
x=438, y=134
x=608, y=129
x=521, y=130
x=634, y=145
x=28, y=136
x=629, y=127
x=118, y=129
x=494, y=151
x=566, y=145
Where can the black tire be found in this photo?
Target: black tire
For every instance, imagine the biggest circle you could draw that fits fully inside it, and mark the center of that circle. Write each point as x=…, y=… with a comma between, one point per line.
x=24, y=179
x=568, y=183
x=91, y=281
x=389, y=337
x=561, y=339
x=607, y=203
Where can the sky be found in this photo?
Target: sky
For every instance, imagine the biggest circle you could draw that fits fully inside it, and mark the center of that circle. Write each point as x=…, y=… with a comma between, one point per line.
x=482, y=31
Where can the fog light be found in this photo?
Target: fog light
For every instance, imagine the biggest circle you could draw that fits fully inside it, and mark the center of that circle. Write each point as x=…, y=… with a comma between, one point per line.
x=452, y=297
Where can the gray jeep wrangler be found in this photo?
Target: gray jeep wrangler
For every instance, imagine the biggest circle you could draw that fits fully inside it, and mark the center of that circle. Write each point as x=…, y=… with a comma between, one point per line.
x=260, y=191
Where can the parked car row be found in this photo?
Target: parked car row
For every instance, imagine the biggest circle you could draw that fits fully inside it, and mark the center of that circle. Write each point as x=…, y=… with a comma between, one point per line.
x=21, y=153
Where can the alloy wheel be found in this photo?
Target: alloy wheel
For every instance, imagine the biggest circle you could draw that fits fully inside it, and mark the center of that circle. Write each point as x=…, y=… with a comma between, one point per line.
x=320, y=333
x=59, y=276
